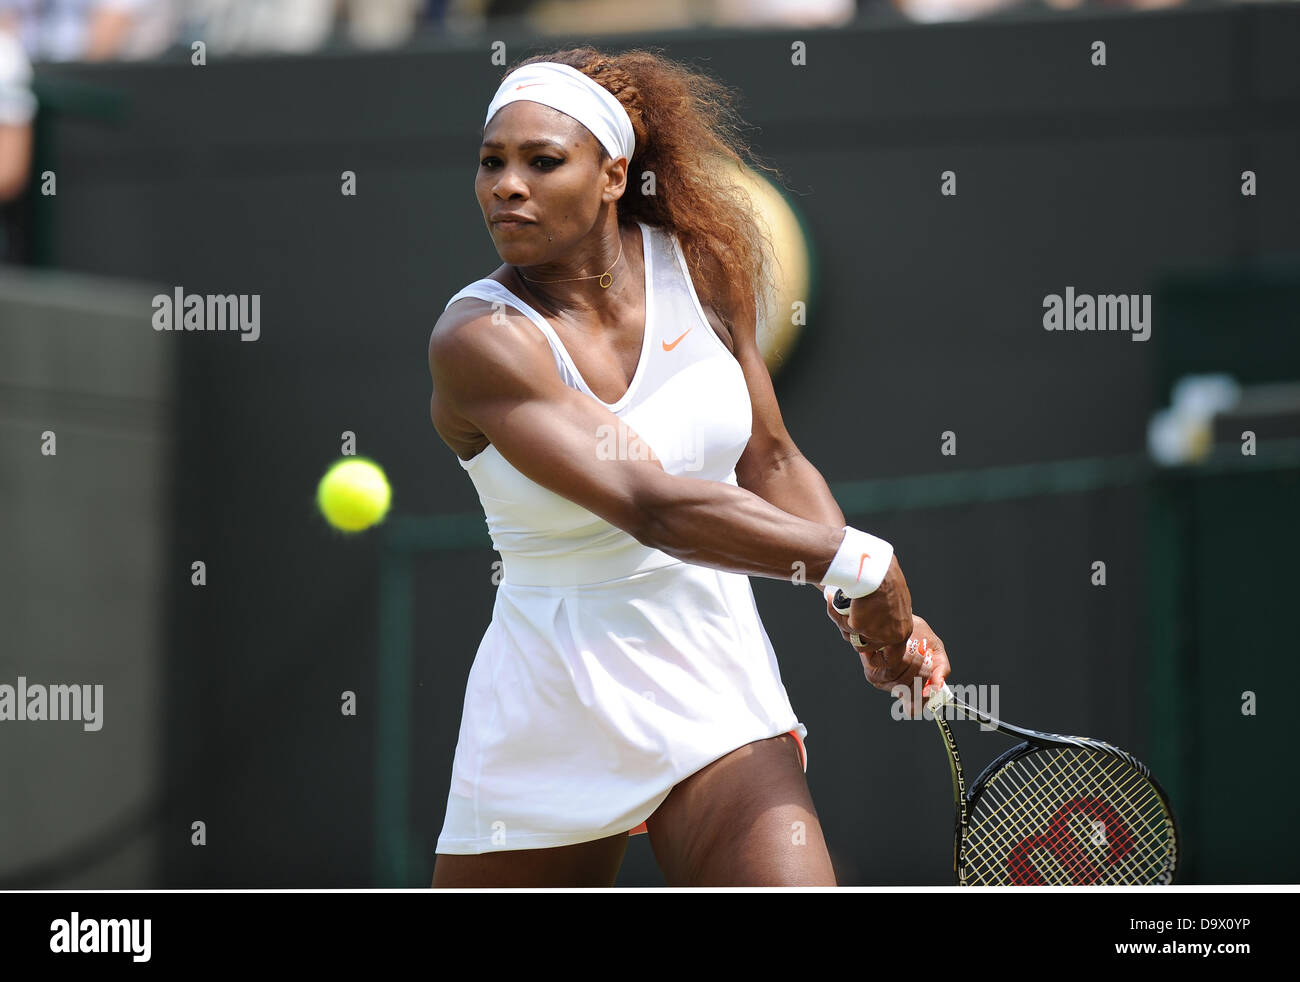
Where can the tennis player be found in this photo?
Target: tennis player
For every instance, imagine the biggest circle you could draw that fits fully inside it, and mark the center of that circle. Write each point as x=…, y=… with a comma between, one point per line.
x=605, y=391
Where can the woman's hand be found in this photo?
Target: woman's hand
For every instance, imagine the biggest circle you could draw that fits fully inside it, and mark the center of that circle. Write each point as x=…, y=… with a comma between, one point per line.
x=886, y=666
x=895, y=667
x=883, y=617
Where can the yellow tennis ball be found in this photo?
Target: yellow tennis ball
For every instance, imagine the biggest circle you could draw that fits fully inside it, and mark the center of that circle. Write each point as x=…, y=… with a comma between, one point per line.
x=354, y=494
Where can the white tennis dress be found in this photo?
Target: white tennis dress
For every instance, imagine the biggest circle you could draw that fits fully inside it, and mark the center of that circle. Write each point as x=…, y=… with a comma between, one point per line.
x=611, y=671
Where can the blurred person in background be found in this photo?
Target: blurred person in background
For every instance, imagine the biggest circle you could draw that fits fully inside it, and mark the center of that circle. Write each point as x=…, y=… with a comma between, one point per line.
x=784, y=13
x=17, y=109
x=1130, y=4
x=300, y=26
x=90, y=30
x=936, y=11
x=616, y=16
x=381, y=23
x=932, y=11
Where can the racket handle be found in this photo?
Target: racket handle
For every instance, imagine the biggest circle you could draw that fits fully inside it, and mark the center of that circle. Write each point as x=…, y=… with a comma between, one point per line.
x=942, y=696
x=842, y=604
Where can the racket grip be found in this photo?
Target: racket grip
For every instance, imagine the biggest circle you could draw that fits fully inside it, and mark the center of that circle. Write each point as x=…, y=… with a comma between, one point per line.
x=842, y=604
x=939, y=697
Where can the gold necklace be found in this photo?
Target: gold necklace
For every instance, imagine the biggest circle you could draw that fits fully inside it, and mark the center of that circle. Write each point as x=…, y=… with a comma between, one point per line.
x=605, y=278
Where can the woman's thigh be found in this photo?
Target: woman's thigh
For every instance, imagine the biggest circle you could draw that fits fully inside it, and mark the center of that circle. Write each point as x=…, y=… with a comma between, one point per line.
x=747, y=819
x=586, y=864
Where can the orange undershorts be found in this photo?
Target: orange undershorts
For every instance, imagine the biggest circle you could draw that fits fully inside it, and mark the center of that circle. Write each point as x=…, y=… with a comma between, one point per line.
x=803, y=754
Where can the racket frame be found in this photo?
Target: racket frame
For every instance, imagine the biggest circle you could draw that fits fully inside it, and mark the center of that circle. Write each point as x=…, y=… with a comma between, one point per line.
x=964, y=801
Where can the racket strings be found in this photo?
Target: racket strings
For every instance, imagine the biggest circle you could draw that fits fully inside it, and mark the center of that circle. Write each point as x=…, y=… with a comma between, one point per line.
x=1081, y=834
x=1068, y=849
x=1061, y=847
x=1058, y=844
x=1069, y=815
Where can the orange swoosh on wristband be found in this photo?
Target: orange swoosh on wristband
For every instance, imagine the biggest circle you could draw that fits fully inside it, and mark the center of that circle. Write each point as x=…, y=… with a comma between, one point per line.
x=865, y=557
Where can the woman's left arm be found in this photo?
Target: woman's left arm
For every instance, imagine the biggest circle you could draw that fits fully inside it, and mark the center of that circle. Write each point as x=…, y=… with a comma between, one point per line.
x=773, y=469
x=772, y=466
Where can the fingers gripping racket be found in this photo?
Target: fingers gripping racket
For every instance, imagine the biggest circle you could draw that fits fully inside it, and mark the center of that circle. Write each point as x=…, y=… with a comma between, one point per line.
x=842, y=604
x=1054, y=810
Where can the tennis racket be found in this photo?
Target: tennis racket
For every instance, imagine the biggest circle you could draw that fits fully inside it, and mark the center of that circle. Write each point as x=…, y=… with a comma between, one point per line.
x=1054, y=810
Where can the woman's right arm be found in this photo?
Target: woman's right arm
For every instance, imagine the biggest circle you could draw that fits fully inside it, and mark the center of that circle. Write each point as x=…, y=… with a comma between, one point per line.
x=499, y=380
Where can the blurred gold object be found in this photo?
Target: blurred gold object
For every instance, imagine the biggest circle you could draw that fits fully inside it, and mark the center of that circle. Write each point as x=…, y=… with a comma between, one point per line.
x=793, y=272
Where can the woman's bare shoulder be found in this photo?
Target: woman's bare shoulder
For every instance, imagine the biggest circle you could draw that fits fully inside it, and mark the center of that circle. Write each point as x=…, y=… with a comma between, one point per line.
x=482, y=340
x=479, y=351
x=469, y=319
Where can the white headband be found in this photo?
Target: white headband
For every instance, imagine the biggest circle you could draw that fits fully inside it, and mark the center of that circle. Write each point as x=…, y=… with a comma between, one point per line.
x=574, y=94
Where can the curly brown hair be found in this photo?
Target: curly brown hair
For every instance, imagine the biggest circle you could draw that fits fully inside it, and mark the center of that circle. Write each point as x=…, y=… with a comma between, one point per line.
x=687, y=130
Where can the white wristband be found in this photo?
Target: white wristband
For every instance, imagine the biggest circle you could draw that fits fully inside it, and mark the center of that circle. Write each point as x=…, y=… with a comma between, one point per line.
x=860, y=564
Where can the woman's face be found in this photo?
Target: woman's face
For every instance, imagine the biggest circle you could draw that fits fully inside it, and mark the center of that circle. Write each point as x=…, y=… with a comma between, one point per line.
x=546, y=166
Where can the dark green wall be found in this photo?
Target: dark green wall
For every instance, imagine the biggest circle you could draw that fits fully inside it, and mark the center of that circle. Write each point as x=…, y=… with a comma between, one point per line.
x=226, y=179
